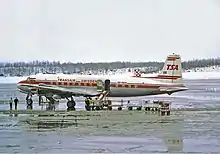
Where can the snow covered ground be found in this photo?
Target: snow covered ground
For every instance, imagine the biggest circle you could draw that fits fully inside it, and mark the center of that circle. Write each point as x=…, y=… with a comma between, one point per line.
x=201, y=75
x=11, y=79
x=186, y=75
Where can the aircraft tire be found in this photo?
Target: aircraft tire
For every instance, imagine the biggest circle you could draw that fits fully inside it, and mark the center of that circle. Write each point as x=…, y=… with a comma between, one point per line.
x=130, y=108
x=71, y=104
x=109, y=108
x=119, y=108
x=147, y=108
x=97, y=108
x=163, y=113
x=29, y=102
x=139, y=108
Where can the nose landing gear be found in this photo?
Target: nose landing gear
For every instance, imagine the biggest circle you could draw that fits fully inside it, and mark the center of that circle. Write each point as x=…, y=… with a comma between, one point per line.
x=29, y=101
x=71, y=104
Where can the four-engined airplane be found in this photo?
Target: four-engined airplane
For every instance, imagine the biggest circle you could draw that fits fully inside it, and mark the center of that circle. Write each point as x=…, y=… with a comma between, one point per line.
x=168, y=81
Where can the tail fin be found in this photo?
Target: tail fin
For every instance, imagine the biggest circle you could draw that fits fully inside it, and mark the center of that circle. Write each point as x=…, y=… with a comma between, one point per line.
x=171, y=72
x=172, y=69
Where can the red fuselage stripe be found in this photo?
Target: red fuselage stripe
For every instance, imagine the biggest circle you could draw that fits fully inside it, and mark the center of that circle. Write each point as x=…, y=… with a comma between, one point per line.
x=122, y=85
x=165, y=77
x=162, y=77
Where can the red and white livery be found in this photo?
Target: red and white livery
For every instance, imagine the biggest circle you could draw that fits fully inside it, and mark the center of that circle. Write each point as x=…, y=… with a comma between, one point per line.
x=68, y=86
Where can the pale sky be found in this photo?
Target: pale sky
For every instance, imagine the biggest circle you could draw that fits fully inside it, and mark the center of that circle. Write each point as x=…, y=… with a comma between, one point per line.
x=108, y=30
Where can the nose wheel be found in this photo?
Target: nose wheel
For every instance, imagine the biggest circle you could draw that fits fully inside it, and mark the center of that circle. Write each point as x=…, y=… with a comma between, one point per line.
x=29, y=101
x=71, y=104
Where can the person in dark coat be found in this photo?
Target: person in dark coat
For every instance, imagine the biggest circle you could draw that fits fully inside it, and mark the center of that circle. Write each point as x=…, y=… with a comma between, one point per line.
x=16, y=102
x=10, y=103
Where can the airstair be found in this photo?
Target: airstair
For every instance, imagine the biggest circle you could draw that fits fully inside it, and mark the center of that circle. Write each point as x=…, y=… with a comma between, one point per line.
x=104, y=89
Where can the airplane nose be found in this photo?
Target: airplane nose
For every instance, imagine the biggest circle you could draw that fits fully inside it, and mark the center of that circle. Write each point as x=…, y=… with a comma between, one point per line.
x=19, y=82
x=20, y=86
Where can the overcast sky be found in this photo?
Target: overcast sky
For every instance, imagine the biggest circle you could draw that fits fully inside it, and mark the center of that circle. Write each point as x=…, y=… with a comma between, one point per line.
x=108, y=30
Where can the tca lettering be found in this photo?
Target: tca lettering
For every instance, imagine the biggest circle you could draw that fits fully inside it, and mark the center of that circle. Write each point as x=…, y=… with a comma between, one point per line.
x=172, y=67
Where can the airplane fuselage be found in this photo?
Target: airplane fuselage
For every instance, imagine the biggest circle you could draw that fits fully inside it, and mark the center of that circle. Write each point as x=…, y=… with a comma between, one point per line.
x=120, y=86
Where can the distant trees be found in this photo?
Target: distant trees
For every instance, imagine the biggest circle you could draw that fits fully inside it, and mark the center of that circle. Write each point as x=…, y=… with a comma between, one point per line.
x=33, y=67
x=201, y=63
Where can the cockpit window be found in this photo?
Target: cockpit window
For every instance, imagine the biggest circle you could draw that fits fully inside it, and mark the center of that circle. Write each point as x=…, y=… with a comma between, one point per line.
x=31, y=79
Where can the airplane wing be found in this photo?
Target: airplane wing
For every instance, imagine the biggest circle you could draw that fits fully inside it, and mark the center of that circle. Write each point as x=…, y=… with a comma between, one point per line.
x=65, y=91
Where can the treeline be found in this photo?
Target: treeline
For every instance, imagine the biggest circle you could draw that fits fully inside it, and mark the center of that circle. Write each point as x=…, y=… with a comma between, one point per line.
x=27, y=68
x=85, y=66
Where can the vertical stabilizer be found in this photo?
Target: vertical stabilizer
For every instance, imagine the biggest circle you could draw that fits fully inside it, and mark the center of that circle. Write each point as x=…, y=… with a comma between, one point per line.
x=171, y=72
x=172, y=69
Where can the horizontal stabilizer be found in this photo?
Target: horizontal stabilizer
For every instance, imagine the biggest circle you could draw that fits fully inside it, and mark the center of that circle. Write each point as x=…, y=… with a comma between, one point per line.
x=173, y=89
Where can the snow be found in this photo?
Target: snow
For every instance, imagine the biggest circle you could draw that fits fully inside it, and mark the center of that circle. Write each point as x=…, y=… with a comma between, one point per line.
x=201, y=75
x=11, y=79
x=186, y=75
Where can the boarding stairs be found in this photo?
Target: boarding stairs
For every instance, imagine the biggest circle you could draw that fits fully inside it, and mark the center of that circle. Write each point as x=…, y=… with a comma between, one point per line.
x=104, y=89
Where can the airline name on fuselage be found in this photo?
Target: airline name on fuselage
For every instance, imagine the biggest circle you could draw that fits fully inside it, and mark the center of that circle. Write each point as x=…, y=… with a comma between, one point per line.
x=87, y=81
x=74, y=80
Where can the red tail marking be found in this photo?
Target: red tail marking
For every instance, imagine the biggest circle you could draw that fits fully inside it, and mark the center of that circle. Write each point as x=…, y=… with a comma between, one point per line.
x=172, y=58
x=172, y=67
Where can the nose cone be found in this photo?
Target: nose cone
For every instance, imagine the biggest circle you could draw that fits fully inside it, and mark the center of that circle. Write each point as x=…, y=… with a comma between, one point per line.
x=21, y=86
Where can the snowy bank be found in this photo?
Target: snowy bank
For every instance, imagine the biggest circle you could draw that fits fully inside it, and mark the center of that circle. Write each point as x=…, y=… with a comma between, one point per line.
x=201, y=75
x=186, y=75
x=11, y=79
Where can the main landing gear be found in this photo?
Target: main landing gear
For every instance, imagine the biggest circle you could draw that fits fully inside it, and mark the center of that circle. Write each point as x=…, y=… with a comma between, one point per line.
x=71, y=104
x=51, y=102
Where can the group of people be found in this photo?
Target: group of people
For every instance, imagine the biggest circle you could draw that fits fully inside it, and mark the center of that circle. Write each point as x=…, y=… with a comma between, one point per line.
x=15, y=102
